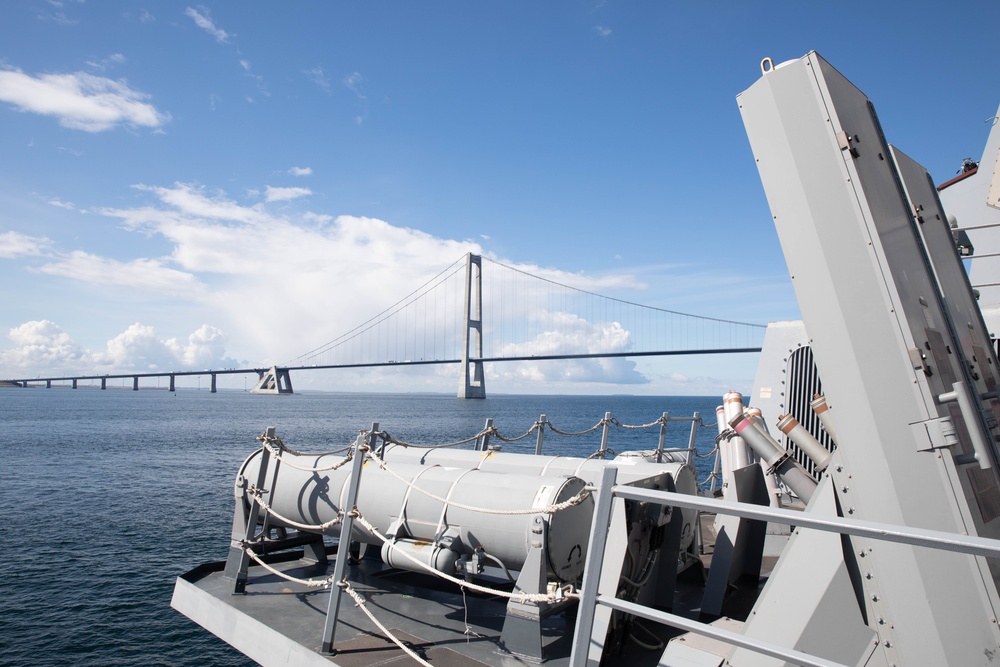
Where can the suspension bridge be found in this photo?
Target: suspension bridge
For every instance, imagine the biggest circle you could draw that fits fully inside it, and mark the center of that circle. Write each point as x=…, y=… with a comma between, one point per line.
x=479, y=311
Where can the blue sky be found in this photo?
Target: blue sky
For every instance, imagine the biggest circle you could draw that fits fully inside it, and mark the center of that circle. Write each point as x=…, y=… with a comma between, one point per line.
x=216, y=184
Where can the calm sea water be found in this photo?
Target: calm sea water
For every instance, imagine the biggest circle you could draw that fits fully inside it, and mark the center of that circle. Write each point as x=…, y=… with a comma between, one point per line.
x=107, y=496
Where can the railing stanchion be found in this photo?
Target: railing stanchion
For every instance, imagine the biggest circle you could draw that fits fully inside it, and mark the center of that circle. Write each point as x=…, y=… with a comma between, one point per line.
x=604, y=434
x=364, y=443
x=663, y=437
x=599, y=528
x=695, y=425
x=484, y=442
x=541, y=434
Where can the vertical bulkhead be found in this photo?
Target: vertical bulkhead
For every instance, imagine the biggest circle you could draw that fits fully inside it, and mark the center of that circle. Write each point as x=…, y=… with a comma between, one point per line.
x=905, y=361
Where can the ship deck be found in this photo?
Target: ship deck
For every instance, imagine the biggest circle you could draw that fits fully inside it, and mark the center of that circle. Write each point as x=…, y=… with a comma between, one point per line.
x=278, y=622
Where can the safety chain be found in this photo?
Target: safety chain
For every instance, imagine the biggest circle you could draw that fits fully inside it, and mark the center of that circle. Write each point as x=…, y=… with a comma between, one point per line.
x=661, y=420
x=363, y=607
x=277, y=453
x=312, y=583
x=258, y=496
x=275, y=440
x=556, y=596
x=589, y=430
x=388, y=439
x=275, y=445
x=599, y=454
x=705, y=456
x=582, y=495
x=534, y=427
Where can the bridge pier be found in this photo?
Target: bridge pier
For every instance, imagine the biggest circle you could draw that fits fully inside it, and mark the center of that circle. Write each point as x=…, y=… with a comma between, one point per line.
x=213, y=383
x=135, y=383
x=172, y=384
x=104, y=383
x=48, y=384
x=74, y=383
x=275, y=381
x=473, y=385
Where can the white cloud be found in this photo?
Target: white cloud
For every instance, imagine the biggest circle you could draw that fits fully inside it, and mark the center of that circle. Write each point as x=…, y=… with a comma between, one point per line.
x=191, y=200
x=602, y=31
x=318, y=76
x=105, y=63
x=301, y=171
x=319, y=218
x=80, y=101
x=354, y=82
x=566, y=333
x=288, y=282
x=42, y=346
x=58, y=203
x=203, y=20
x=15, y=244
x=285, y=194
x=142, y=274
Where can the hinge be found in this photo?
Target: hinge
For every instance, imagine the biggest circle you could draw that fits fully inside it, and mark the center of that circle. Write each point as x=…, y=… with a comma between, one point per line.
x=846, y=142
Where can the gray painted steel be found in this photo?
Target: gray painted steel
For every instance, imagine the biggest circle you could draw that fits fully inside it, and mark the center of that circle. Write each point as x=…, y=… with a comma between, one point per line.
x=883, y=341
x=393, y=507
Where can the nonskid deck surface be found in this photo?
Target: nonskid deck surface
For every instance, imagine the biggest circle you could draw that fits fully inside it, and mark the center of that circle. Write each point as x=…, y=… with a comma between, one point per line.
x=280, y=622
x=277, y=617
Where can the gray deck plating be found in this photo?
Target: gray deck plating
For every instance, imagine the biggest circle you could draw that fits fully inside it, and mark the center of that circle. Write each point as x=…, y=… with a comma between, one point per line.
x=281, y=623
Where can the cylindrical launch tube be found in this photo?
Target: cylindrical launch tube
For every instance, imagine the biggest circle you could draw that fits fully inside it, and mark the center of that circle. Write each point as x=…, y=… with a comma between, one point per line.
x=822, y=411
x=732, y=401
x=773, y=491
x=725, y=449
x=797, y=479
x=812, y=448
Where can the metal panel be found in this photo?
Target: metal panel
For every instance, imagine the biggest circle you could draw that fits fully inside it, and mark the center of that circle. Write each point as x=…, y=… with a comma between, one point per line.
x=802, y=384
x=868, y=300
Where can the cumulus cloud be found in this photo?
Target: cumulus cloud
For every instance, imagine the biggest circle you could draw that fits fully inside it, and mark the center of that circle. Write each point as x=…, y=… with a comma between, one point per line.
x=79, y=100
x=565, y=334
x=318, y=218
x=203, y=19
x=289, y=280
x=301, y=171
x=285, y=194
x=15, y=244
x=43, y=347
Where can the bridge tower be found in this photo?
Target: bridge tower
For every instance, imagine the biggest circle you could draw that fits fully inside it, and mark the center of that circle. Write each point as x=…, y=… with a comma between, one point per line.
x=472, y=382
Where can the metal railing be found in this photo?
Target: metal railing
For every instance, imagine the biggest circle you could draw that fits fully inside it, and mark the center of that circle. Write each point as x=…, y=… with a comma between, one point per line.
x=607, y=490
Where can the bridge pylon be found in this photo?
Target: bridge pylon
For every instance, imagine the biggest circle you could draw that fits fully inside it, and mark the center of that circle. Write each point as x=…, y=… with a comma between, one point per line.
x=273, y=381
x=472, y=380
